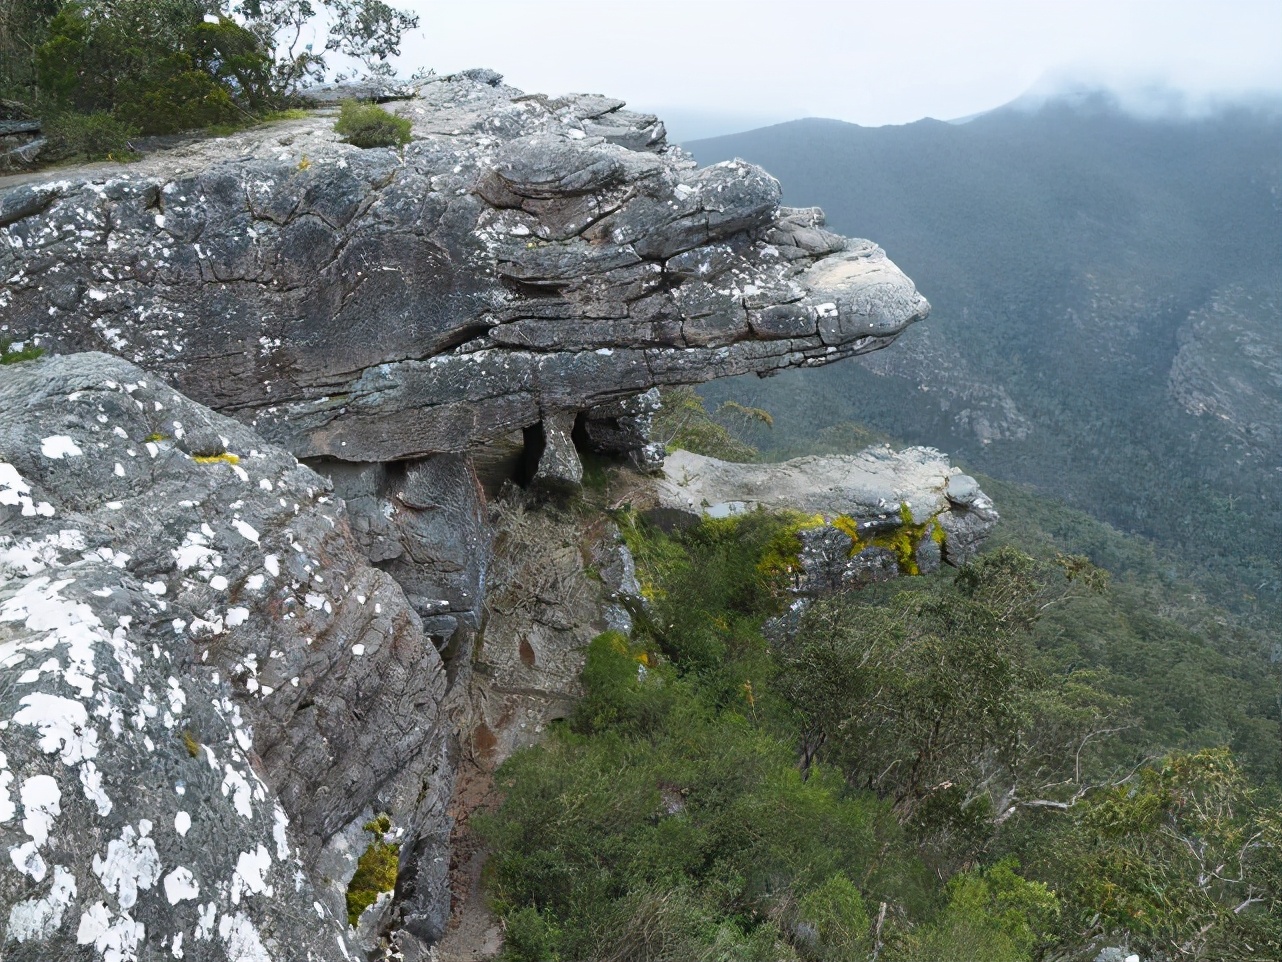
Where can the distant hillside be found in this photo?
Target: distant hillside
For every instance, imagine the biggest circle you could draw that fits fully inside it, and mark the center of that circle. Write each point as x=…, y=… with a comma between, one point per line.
x=1107, y=317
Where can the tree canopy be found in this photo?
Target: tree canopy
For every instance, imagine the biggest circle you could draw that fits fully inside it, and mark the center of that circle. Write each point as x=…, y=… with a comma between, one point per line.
x=103, y=70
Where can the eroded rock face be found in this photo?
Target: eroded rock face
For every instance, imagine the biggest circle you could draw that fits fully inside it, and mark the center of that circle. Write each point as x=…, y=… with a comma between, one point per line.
x=205, y=683
x=423, y=522
x=225, y=625
x=876, y=515
x=524, y=257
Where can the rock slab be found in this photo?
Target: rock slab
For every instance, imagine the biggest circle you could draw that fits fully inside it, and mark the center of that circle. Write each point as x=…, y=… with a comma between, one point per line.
x=523, y=257
x=205, y=687
x=874, y=515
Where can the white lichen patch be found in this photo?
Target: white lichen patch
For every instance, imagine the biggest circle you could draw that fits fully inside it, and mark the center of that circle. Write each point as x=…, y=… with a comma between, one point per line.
x=280, y=834
x=241, y=939
x=37, y=919
x=132, y=863
x=252, y=869
x=237, y=786
x=181, y=886
x=7, y=807
x=41, y=804
x=114, y=937
x=245, y=530
x=15, y=491
x=63, y=725
x=59, y=446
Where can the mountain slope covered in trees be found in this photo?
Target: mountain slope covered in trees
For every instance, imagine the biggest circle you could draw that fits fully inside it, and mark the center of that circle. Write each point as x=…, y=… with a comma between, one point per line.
x=1107, y=320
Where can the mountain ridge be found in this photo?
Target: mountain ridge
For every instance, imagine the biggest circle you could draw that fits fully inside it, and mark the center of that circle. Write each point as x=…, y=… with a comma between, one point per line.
x=1065, y=252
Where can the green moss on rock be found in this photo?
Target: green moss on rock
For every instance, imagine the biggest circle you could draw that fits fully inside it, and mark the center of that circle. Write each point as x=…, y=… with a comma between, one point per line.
x=376, y=869
x=902, y=540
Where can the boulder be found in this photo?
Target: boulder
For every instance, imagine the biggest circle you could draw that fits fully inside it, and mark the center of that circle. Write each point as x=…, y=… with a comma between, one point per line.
x=207, y=690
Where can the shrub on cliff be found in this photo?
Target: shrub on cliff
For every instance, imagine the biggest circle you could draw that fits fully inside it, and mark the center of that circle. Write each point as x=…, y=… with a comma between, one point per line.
x=95, y=136
x=368, y=125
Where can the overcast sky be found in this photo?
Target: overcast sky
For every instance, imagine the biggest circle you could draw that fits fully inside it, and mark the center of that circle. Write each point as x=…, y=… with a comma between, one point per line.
x=741, y=63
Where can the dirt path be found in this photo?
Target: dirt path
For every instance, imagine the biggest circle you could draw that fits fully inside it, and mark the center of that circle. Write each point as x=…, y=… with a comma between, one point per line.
x=475, y=933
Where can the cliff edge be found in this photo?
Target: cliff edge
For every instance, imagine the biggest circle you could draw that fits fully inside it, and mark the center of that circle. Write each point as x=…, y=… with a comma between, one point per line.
x=249, y=703
x=523, y=256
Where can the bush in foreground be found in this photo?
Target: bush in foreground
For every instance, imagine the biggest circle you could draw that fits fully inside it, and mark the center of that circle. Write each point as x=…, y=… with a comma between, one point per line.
x=93, y=136
x=368, y=125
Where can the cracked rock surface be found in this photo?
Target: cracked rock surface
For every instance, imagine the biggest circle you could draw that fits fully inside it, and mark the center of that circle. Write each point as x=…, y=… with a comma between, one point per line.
x=523, y=257
x=205, y=685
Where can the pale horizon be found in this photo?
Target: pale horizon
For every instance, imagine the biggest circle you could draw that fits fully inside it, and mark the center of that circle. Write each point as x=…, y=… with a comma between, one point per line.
x=735, y=65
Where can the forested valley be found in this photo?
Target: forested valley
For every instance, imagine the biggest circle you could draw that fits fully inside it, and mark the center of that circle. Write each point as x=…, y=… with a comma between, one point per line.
x=1059, y=748
x=1066, y=749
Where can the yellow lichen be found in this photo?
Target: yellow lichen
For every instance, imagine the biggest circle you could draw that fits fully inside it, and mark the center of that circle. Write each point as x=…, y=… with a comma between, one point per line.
x=155, y=436
x=191, y=744
x=226, y=457
x=847, y=526
x=781, y=556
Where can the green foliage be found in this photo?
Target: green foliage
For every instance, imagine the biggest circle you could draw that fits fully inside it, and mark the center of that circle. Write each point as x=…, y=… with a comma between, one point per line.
x=93, y=136
x=699, y=832
x=368, y=125
x=23, y=28
x=727, y=793
x=622, y=692
x=710, y=590
x=932, y=697
x=278, y=27
x=102, y=71
x=836, y=914
x=367, y=30
x=528, y=937
x=671, y=818
x=683, y=422
x=1184, y=860
x=156, y=65
x=376, y=870
x=992, y=914
x=16, y=355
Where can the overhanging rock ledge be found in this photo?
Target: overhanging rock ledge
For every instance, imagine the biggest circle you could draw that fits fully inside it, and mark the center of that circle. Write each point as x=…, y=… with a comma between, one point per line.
x=523, y=256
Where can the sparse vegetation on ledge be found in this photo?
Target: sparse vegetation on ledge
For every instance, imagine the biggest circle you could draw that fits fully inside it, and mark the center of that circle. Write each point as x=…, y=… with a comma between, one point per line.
x=376, y=870
x=101, y=73
x=9, y=354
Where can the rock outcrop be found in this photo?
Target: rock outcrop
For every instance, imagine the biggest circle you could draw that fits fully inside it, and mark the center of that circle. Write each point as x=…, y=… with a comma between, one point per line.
x=227, y=678
x=207, y=687
x=872, y=516
x=522, y=258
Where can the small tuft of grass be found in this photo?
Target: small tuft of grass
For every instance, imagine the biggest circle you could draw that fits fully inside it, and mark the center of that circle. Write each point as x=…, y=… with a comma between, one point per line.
x=9, y=354
x=275, y=116
x=191, y=743
x=368, y=125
